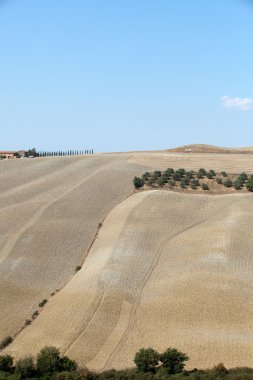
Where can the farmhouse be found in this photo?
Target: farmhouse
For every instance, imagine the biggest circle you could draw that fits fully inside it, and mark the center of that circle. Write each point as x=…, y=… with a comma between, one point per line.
x=12, y=153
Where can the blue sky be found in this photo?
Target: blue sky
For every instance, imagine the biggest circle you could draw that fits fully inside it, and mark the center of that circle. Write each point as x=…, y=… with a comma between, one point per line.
x=121, y=75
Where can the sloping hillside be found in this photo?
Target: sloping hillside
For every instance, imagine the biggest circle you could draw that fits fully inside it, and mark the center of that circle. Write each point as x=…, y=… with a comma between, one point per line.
x=205, y=148
x=232, y=163
x=50, y=209
x=167, y=269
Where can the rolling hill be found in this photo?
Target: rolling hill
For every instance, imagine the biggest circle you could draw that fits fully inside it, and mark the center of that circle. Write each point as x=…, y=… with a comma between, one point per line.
x=164, y=268
x=49, y=212
x=205, y=148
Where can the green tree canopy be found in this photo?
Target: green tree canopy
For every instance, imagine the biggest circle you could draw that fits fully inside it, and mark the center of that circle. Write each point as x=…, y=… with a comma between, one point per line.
x=25, y=367
x=138, y=182
x=146, y=360
x=6, y=363
x=66, y=364
x=32, y=152
x=173, y=360
x=48, y=360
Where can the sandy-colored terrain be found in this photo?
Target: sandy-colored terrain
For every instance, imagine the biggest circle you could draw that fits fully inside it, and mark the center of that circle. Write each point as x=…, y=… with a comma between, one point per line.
x=166, y=269
x=49, y=213
x=204, y=148
x=232, y=163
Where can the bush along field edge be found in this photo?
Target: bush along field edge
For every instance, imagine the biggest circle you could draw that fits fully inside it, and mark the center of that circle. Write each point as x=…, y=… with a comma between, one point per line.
x=149, y=365
x=201, y=180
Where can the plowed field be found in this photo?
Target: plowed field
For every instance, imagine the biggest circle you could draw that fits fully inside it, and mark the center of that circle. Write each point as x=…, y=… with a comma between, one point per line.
x=167, y=269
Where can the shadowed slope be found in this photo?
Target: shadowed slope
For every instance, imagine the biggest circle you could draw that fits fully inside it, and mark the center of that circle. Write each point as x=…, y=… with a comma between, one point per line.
x=167, y=269
x=49, y=213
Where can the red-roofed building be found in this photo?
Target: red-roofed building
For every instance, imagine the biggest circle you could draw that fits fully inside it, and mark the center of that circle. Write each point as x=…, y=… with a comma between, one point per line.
x=12, y=153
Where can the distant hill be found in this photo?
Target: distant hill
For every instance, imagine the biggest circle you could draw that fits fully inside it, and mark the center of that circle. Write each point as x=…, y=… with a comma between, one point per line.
x=204, y=148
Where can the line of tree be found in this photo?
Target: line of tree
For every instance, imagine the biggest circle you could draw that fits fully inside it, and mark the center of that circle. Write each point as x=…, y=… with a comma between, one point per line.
x=171, y=177
x=33, y=153
x=150, y=365
x=69, y=152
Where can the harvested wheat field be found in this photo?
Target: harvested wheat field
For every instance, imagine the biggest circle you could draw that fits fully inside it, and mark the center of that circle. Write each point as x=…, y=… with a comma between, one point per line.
x=204, y=148
x=232, y=163
x=50, y=209
x=167, y=269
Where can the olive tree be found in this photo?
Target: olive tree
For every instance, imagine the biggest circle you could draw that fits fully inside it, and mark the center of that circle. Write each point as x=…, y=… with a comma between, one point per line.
x=138, y=182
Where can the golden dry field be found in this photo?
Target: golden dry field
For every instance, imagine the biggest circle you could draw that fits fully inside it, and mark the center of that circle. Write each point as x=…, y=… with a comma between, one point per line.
x=50, y=209
x=232, y=163
x=166, y=268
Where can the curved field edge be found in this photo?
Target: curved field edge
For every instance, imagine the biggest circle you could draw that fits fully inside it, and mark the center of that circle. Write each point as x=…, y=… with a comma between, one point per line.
x=50, y=210
x=167, y=269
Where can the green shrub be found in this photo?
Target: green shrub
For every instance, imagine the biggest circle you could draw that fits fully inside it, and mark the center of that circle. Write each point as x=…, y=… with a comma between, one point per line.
x=228, y=182
x=183, y=183
x=189, y=175
x=211, y=174
x=161, y=374
x=181, y=171
x=79, y=267
x=25, y=367
x=249, y=184
x=43, y=303
x=138, y=182
x=146, y=360
x=164, y=178
x=160, y=181
x=243, y=176
x=169, y=172
x=6, y=363
x=173, y=360
x=172, y=182
x=219, y=181
x=5, y=342
x=65, y=375
x=238, y=184
x=66, y=364
x=157, y=174
x=202, y=172
x=220, y=371
x=205, y=186
x=194, y=183
x=151, y=181
x=146, y=176
x=224, y=174
x=48, y=360
x=177, y=176
x=35, y=314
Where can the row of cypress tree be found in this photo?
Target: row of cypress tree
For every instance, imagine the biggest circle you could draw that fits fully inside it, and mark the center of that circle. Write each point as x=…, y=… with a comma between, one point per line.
x=65, y=153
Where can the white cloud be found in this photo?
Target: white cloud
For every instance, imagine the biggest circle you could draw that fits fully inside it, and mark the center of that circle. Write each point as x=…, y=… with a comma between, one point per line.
x=243, y=104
